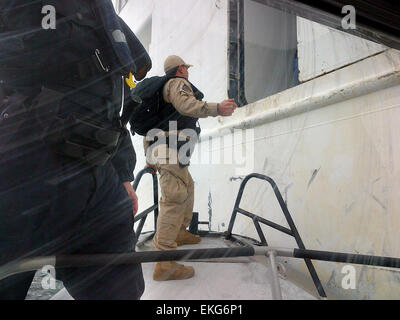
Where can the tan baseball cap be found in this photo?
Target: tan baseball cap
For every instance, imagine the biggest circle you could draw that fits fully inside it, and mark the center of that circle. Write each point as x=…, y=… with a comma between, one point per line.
x=174, y=61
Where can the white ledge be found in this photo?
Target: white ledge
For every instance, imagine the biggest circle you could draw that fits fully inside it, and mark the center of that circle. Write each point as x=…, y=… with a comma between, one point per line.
x=371, y=75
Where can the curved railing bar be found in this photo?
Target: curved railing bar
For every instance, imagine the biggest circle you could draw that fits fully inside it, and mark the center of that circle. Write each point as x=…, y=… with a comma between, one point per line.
x=293, y=230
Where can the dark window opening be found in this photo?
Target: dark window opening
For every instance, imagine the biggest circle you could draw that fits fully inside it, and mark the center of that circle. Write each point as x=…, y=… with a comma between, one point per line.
x=262, y=51
x=236, y=76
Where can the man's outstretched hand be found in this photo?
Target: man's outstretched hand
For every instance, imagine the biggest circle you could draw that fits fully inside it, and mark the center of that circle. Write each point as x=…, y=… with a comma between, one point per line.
x=133, y=196
x=227, y=107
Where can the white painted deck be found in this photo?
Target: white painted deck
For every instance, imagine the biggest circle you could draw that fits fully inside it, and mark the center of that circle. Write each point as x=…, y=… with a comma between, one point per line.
x=233, y=279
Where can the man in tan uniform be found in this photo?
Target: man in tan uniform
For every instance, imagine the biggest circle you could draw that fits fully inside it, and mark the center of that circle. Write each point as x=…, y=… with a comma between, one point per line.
x=177, y=187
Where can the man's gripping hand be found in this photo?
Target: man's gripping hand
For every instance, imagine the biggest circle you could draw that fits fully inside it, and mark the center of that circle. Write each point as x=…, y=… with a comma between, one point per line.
x=227, y=107
x=152, y=167
x=132, y=195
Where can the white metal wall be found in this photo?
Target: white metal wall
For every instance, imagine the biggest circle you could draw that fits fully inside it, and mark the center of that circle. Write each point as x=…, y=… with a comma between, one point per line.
x=323, y=49
x=331, y=146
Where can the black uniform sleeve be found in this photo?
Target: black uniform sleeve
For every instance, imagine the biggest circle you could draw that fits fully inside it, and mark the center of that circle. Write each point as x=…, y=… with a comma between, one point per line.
x=140, y=56
x=124, y=161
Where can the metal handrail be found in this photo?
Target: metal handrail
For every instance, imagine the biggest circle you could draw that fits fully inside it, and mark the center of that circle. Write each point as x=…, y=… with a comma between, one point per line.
x=68, y=261
x=154, y=208
x=256, y=219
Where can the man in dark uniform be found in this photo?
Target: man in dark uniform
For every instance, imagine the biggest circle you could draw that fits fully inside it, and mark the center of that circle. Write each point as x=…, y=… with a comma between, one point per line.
x=66, y=160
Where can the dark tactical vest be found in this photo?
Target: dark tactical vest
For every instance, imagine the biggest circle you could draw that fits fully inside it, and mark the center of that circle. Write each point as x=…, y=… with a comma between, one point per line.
x=70, y=79
x=154, y=112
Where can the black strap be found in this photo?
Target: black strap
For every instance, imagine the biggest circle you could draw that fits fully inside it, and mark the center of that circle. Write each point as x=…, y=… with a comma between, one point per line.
x=101, y=135
x=129, y=109
x=86, y=154
x=95, y=65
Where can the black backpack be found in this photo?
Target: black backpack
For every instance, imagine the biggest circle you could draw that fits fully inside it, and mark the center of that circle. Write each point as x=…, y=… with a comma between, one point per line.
x=147, y=115
x=154, y=112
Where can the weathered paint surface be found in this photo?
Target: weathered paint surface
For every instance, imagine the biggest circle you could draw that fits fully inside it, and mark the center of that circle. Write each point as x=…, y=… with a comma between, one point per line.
x=338, y=169
x=322, y=49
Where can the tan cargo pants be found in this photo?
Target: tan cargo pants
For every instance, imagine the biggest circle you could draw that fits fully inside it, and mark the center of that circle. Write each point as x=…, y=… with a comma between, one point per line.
x=177, y=196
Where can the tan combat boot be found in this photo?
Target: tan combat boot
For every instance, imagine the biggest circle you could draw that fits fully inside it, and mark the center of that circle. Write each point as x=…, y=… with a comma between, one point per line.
x=170, y=270
x=185, y=237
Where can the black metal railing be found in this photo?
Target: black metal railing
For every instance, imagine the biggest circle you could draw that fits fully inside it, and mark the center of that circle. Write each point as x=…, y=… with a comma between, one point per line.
x=256, y=220
x=142, y=216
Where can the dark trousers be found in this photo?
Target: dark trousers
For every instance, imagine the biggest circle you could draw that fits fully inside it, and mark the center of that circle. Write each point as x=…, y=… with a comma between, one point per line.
x=50, y=205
